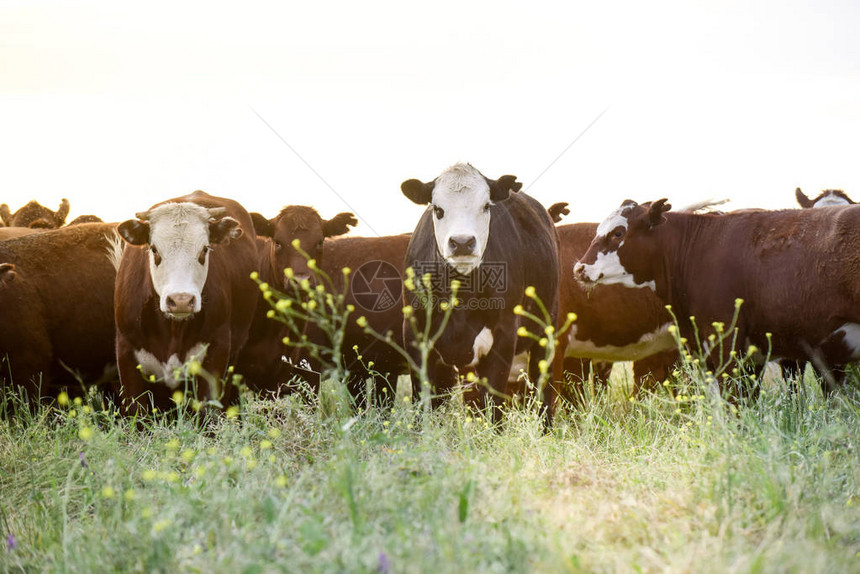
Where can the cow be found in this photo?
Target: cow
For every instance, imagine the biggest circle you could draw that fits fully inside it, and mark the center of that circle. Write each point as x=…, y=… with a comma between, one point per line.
x=56, y=296
x=794, y=270
x=614, y=323
x=375, y=291
x=183, y=297
x=496, y=242
x=827, y=198
x=260, y=360
x=791, y=370
x=35, y=216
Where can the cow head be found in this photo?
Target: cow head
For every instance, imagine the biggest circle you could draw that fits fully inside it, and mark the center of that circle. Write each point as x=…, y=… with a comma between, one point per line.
x=827, y=198
x=179, y=237
x=623, y=246
x=297, y=222
x=36, y=216
x=461, y=198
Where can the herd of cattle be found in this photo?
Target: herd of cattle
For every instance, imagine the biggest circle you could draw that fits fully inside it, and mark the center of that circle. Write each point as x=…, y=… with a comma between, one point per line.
x=137, y=306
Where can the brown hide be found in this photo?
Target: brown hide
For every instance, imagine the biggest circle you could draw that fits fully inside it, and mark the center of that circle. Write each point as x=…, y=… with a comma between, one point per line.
x=57, y=308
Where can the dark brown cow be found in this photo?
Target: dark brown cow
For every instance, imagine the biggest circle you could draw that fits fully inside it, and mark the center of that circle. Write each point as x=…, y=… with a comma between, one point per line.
x=614, y=322
x=375, y=290
x=791, y=370
x=260, y=360
x=183, y=294
x=56, y=296
x=796, y=271
x=35, y=215
x=497, y=241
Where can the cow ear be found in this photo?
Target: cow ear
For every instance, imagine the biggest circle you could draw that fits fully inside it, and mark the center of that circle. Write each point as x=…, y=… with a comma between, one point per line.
x=262, y=226
x=557, y=211
x=134, y=231
x=802, y=199
x=223, y=230
x=417, y=191
x=500, y=189
x=656, y=212
x=62, y=213
x=7, y=273
x=6, y=214
x=339, y=224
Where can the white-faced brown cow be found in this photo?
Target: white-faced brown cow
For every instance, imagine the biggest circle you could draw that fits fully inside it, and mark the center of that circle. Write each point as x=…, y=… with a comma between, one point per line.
x=614, y=323
x=496, y=242
x=183, y=294
x=56, y=308
x=827, y=198
x=796, y=271
x=260, y=360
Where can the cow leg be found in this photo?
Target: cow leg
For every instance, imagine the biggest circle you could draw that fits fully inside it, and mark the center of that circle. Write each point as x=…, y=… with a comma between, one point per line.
x=130, y=388
x=574, y=379
x=549, y=393
x=837, y=350
x=495, y=367
x=650, y=371
x=384, y=390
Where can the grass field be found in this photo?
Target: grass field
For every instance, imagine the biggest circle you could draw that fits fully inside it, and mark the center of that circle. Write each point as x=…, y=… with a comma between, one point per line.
x=663, y=483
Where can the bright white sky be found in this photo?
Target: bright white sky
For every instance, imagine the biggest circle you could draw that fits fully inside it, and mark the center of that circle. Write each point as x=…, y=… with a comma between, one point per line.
x=117, y=109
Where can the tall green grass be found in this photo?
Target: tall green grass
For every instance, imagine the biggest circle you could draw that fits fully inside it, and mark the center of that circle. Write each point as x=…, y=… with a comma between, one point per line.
x=681, y=482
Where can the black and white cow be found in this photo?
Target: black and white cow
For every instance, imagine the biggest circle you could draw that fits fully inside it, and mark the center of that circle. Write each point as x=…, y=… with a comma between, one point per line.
x=496, y=242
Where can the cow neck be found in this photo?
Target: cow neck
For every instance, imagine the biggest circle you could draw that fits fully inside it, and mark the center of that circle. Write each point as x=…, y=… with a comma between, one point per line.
x=677, y=241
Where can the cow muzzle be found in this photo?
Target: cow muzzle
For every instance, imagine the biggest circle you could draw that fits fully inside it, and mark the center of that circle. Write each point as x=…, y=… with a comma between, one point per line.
x=462, y=245
x=180, y=306
x=580, y=273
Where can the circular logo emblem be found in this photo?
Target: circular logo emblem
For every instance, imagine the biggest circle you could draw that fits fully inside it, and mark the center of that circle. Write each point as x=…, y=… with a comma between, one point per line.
x=377, y=286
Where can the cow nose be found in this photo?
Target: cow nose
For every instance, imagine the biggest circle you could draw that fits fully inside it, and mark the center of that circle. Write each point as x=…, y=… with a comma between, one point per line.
x=462, y=244
x=579, y=272
x=181, y=303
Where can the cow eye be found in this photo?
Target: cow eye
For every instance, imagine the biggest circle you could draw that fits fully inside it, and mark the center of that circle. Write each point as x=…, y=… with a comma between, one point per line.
x=487, y=206
x=201, y=259
x=440, y=213
x=278, y=245
x=156, y=256
x=619, y=233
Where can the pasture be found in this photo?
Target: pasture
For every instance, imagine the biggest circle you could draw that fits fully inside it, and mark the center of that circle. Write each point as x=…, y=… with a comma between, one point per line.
x=683, y=483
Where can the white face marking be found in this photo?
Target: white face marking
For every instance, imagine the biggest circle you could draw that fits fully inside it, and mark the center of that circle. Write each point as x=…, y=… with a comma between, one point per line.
x=648, y=344
x=607, y=269
x=615, y=219
x=830, y=200
x=482, y=345
x=179, y=232
x=174, y=370
x=519, y=365
x=461, y=195
x=852, y=338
